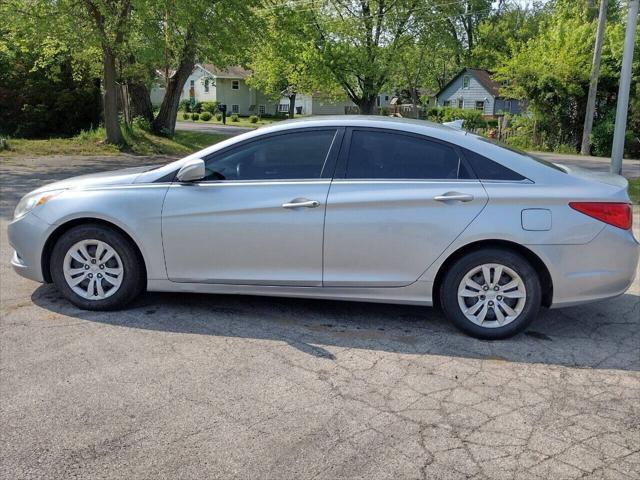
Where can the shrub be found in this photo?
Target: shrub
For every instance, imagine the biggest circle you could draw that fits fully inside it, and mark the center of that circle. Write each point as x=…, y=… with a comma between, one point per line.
x=205, y=117
x=195, y=116
x=185, y=106
x=197, y=107
x=219, y=116
x=492, y=123
x=186, y=116
x=209, y=107
x=472, y=118
x=253, y=119
x=141, y=123
x=234, y=117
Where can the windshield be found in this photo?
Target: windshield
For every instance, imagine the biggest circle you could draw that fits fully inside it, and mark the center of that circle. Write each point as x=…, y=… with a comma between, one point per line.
x=524, y=154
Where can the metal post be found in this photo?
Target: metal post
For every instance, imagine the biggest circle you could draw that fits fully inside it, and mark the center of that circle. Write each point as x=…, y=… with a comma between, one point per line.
x=623, y=91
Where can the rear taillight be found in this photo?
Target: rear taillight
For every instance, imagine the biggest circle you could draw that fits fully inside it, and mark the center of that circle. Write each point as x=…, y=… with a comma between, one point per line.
x=616, y=214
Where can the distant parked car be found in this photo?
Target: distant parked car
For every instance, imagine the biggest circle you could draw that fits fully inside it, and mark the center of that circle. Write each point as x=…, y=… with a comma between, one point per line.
x=350, y=208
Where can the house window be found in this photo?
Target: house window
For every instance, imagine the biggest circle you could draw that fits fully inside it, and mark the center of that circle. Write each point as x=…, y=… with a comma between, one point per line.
x=235, y=84
x=283, y=107
x=235, y=108
x=465, y=81
x=446, y=103
x=460, y=103
x=480, y=105
x=386, y=98
x=206, y=86
x=193, y=83
x=262, y=109
x=507, y=106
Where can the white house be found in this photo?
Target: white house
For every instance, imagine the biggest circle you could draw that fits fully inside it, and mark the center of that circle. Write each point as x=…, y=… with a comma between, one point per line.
x=207, y=83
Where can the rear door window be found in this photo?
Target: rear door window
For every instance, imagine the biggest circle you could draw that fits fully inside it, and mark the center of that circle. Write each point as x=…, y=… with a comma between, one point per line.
x=387, y=155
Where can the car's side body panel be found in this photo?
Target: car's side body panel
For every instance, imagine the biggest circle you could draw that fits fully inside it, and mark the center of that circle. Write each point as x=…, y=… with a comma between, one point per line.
x=239, y=232
x=136, y=209
x=387, y=232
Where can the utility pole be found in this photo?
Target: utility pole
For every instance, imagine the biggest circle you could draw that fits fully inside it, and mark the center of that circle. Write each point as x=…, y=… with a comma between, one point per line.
x=623, y=90
x=593, y=81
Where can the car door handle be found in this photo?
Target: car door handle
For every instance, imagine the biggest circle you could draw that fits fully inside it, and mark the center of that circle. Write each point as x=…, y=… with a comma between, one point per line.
x=453, y=196
x=301, y=202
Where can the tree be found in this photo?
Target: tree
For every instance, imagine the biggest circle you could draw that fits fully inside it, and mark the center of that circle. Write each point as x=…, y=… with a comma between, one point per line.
x=356, y=43
x=187, y=30
x=552, y=70
x=110, y=19
x=280, y=62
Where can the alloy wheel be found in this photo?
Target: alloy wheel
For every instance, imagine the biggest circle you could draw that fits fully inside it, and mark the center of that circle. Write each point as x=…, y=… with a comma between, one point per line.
x=492, y=295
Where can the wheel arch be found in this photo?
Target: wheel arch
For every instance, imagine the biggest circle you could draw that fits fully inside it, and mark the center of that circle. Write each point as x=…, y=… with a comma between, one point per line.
x=65, y=227
x=546, y=282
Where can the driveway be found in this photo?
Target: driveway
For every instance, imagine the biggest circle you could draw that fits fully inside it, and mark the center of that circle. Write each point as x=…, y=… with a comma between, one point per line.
x=196, y=386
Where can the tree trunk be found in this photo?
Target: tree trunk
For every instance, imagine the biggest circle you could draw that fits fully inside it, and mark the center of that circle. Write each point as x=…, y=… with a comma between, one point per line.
x=165, y=122
x=141, y=101
x=114, y=135
x=292, y=105
x=367, y=104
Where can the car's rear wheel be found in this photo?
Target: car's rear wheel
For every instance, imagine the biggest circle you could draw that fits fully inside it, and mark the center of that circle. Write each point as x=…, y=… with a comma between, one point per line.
x=491, y=293
x=96, y=268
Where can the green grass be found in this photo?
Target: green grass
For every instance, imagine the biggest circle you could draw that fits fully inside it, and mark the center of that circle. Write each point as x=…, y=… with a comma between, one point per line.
x=634, y=190
x=138, y=142
x=242, y=121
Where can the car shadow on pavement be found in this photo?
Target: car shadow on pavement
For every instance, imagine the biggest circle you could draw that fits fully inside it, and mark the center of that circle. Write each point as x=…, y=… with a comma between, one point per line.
x=603, y=335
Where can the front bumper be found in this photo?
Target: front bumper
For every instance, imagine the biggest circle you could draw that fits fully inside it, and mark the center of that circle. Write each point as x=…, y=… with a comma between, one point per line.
x=603, y=268
x=27, y=236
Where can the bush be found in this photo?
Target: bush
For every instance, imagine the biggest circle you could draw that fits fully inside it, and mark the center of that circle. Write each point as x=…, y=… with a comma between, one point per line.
x=492, y=123
x=234, y=117
x=253, y=119
x=186, y=116
x=141, y=123
x=219, y=116
x=472, y=118
x=209, y=107
x=195, y=116
x=197, y=107
x=185, y=106
x=205, y=117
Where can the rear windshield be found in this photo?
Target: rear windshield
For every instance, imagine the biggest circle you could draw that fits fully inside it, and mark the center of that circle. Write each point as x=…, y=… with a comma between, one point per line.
x=524, y=154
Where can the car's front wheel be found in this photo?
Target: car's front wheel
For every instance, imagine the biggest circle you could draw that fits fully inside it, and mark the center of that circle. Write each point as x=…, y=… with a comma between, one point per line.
x=491, y=293
x=96, y=268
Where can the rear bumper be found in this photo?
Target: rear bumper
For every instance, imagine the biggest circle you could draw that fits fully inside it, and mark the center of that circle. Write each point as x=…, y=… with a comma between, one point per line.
x=603, y=268
x=27, y=236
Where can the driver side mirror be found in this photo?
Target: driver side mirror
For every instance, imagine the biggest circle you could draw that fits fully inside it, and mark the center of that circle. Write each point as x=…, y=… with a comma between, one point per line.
x=191, y=171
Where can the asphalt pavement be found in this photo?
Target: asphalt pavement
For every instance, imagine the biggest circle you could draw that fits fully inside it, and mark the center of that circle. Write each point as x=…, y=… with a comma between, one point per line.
x=235, y=387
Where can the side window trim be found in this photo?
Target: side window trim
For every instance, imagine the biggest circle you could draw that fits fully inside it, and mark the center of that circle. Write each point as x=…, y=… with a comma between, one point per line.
x=343, y=158
x=327, y=167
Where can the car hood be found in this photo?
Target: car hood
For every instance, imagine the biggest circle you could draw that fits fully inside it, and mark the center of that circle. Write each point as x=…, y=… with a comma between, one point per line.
x=125, y=176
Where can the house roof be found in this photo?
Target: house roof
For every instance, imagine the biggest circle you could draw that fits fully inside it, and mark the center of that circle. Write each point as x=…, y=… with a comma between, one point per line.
x=235, y=71
x=482, y=76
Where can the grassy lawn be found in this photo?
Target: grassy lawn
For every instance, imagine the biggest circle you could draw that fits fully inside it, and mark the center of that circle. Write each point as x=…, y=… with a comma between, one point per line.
x=138, y=142
x=242, y=121
x=634, y=190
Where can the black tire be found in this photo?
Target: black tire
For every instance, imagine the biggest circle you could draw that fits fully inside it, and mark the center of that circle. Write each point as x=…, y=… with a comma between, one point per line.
x=133, y=278
x=456, y=273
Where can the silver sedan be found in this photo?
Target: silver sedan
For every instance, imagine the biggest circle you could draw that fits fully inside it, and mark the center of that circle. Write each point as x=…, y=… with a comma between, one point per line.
x=348, y=208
